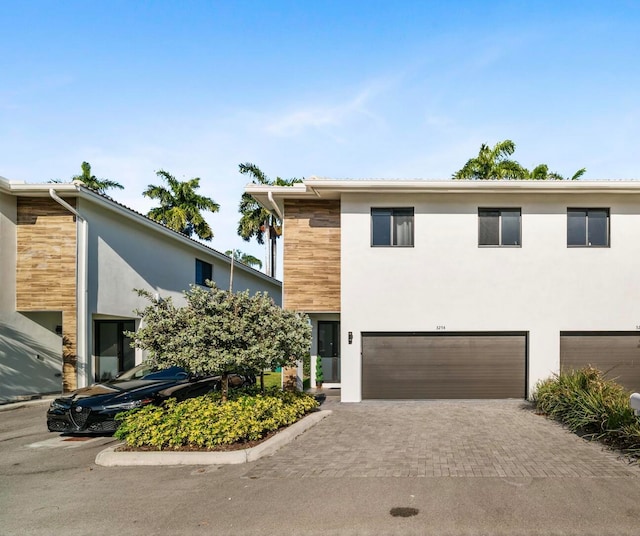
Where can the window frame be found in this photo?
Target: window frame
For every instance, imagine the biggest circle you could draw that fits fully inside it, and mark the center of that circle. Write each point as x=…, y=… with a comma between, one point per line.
x=587, y=210
x=203, y=264
x=392, y=219
x=500, y=211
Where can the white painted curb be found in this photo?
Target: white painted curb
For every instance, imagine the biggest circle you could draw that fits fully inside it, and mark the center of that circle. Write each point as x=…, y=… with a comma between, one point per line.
x=109, y=457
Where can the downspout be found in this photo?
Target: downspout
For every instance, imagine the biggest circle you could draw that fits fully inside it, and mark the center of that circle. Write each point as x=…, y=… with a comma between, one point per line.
x=82, y=285
x=274, y=205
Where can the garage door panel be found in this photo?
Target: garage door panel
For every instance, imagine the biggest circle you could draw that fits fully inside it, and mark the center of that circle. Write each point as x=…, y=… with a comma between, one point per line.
x=452, y=366
x=616, y=354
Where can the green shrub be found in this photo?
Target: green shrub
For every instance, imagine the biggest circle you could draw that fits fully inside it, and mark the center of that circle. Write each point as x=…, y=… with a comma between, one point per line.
x=587, y=403
x=306, y=365
x=206, y=422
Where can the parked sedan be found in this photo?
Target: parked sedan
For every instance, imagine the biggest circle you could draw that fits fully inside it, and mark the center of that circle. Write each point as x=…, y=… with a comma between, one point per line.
x=92, y=410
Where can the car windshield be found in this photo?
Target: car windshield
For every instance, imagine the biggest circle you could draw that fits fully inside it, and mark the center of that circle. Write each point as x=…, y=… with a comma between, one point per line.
x=133, y=374
x=144, y=372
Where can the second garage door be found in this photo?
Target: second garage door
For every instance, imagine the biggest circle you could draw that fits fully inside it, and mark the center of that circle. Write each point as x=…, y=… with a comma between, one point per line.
x=617, y=354
x=452, y=365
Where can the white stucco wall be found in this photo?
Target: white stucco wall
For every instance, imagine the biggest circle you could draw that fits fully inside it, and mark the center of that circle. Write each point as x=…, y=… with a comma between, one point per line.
x=124, y=255
x=446, y=280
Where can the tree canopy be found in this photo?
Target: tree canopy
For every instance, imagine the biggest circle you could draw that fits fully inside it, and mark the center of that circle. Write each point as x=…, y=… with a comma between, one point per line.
x=219, y=332
x=93, y=182
x=180, y=206
x=493, y=163
x=244, y=258
x=253, y=217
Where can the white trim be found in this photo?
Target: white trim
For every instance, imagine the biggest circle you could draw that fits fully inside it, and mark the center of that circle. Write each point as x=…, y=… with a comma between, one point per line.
x=334, y=188
x=82, y=291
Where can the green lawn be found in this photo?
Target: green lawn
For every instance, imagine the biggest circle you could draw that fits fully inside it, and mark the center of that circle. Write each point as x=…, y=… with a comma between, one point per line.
x=274, y=379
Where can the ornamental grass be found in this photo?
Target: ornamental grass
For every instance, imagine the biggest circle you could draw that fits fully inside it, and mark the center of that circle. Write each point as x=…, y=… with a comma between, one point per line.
x=591, y=405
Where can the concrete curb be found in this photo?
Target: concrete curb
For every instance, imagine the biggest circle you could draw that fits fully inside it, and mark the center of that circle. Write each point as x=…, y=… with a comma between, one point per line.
x=110, y=458
x=17, y=405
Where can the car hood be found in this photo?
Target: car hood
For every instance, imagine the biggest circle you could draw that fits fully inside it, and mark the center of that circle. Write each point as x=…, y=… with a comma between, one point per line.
x=102, y=393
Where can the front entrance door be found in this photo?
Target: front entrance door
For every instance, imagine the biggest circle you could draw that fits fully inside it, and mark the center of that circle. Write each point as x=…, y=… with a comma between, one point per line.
x=329, y=350
x=112, y=348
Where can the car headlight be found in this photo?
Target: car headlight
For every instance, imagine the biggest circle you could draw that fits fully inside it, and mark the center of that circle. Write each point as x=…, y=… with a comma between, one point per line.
x=124, y=406
x=57, y=405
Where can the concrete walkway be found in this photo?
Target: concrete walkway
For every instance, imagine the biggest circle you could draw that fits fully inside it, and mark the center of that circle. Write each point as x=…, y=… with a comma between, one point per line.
x=461, y=438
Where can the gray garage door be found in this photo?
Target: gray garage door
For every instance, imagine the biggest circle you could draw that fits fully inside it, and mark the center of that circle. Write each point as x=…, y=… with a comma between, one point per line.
x=617, y=354
x=452, y=365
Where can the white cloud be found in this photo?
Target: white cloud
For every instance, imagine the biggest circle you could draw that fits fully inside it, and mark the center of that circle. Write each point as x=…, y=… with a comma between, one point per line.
x=314, y=116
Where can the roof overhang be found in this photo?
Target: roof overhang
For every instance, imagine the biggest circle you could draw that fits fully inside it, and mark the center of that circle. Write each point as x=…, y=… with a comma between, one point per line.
x=321, y=188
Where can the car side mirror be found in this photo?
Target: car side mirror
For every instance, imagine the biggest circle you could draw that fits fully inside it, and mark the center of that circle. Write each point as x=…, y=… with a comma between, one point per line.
x=182, y=376
x=634, y=402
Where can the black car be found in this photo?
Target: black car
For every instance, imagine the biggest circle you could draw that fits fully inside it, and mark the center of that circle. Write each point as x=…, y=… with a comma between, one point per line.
x=92, y=410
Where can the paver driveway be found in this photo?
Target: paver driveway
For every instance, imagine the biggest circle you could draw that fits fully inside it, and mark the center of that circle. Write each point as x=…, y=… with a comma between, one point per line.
x=460, y=438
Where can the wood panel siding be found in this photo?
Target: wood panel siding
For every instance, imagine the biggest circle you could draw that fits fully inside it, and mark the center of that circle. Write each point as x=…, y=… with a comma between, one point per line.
x=46, y=270
x=312, y=255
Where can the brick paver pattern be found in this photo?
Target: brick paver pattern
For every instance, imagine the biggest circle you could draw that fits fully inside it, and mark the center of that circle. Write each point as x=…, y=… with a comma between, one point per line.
x=461, y=438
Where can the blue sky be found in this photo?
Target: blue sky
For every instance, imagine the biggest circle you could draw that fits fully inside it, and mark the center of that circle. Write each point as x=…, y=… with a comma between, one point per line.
x=344, y=89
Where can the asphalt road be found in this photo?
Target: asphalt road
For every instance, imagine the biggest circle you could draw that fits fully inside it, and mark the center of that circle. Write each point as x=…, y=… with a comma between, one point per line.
x=49, y=486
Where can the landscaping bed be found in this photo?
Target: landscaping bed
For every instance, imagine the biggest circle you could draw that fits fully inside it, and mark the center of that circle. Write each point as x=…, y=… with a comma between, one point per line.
x=592, y=406
x=206, y=423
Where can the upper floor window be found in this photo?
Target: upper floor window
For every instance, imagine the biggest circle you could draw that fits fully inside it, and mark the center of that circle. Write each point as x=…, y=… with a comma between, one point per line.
x=499, y=227
x=392, y=227
x=588, y=227
x=204, y=271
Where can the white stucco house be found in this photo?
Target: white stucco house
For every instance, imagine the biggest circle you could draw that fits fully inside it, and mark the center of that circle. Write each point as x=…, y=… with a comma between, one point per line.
x=462, y=289
x=69, y=261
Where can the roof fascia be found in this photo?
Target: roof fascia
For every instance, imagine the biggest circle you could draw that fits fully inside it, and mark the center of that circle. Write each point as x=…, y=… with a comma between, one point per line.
x=331, y=187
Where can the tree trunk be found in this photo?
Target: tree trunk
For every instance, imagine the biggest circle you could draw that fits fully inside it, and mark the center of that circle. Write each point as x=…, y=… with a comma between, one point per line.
x=262, y=381
x=225, y=386
x=272, y=246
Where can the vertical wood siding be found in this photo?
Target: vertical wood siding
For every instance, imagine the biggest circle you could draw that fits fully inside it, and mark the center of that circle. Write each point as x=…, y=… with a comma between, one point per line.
x=312, y=255
x=46, y=270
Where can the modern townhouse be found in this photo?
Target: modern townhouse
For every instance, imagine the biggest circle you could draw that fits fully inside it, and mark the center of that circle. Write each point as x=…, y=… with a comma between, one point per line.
x=69, y=261
x=462, y=289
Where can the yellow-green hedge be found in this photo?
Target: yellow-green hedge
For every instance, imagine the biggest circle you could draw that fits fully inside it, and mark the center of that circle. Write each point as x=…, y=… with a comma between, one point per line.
x=205, y=422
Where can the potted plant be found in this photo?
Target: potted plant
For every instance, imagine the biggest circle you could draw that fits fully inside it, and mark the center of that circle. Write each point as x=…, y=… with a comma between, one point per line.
x=319, y=376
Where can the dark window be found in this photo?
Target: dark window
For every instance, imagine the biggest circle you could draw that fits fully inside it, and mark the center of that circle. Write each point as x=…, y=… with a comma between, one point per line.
x=204, y=271
x=499, y=227
x=392, y=226
x=588, y=227
x=112, y=348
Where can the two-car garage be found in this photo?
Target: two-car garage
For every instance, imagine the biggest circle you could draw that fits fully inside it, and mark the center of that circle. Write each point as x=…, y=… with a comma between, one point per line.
x=444, y=365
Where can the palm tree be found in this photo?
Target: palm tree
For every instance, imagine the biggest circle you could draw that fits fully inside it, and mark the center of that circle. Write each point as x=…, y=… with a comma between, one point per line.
x=493, y=163
x=91, y=181
x=244, y=258
x=542, y=173
x=255, y=220
x=180, y=206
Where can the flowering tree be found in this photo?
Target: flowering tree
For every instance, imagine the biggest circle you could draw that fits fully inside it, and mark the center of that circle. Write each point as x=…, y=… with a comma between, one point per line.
x=219, y=332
